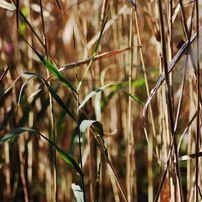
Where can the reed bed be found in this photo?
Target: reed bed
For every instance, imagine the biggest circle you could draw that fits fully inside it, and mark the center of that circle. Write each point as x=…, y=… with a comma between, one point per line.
x=100, y=100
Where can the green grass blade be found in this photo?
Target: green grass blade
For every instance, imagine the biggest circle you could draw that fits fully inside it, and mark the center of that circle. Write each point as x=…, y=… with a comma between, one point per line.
x=53, y=69
x=93, y=93
x=68, y=159
x=135, y=98
x=52, y=92
x=115, y=88
x=15, y=133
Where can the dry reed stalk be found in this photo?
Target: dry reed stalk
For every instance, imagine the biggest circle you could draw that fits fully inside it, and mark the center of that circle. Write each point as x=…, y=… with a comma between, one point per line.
x=119, y=112
x=92, y=165
x=21, y=145
x=169, y=101
x=7, y=172
x=52, y=117
x=130, y=139
x=198, y=130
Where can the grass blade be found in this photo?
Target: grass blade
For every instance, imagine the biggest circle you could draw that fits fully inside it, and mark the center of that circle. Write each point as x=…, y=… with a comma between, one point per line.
x=135, y=98
x=53, y=69
x=115, y=88
x=53, y=93
x=18, y=131
x=93, y=93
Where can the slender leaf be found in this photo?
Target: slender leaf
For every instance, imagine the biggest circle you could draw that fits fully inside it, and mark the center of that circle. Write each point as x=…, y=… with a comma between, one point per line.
x=115, y=87
x=135, y=98
x=68, y=159
x=51, y=90
x=53, y=69
x=93, y=93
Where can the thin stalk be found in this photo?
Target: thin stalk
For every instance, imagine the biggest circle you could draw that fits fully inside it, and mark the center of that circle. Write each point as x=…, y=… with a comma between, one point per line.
x=53, y=130
x=170, y=108
x=92, y=165
x=150, y=148
x=30, y=150
x=22, y=168
x=181, y=96
x=170, y=43
x=80, y=149
x=130, y=143
x=81, y=164
x=7, y=172
x=198, y=105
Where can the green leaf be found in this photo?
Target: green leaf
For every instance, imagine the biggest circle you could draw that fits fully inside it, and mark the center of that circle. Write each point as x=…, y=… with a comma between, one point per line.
x=51, y=90
x=68, y=159
x=88, y=123
x=15, y=133
x=133, y=97
x=93, y=93
x=115, y=88
x=53, y=69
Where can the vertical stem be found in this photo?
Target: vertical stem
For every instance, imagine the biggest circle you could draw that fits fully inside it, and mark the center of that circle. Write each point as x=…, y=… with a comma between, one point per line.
x=168, y=96
x=92, y=164
x=198, y=104
x=80, y=149
x=7, y=172
x=130, y=142
x=80, y=158
x=21, y=144
x=150, y=148
x=53, y=160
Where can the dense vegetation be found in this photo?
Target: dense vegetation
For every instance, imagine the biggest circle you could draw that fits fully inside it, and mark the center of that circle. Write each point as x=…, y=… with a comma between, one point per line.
x=100, y=100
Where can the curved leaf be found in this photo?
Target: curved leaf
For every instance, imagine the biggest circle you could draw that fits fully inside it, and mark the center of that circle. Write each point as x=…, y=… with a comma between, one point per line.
x=115, y=87
x=135, y=98
x=51, y=90
x=93, y=93
x=68, y=159
x=53, y=69
x=88, y=123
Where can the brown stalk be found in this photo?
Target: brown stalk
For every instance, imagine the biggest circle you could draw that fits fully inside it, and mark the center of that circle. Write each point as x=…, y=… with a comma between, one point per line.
x=7, y=172
x=181, y=95
x=171, y=65
x=92, y=164
x=198, y=104
x=104, y=55
x=168, y=94
x=131, y=192
x=53, y=129
x=150, y=147
x=22, y=168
